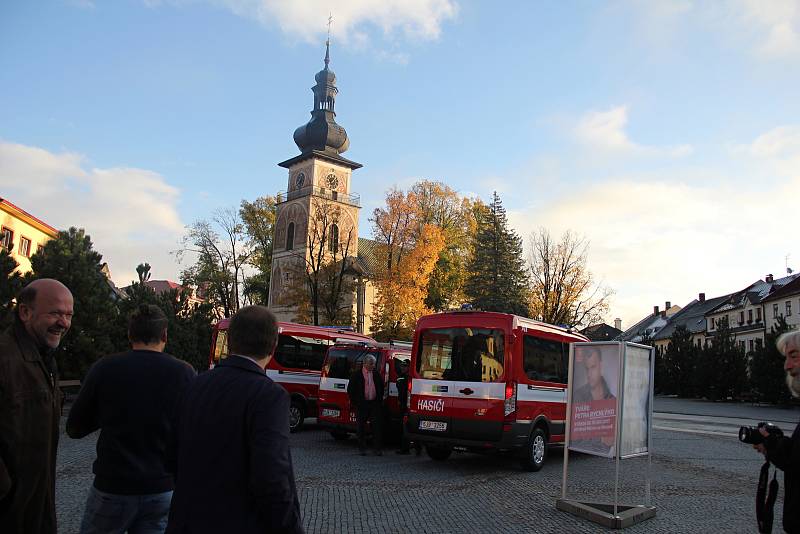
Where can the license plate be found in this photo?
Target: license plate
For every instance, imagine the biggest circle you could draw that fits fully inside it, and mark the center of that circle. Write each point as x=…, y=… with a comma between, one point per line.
x=438, y=426
x=328, y=412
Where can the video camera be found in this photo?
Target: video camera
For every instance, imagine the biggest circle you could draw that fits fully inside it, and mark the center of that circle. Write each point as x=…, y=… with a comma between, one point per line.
x=751, y=435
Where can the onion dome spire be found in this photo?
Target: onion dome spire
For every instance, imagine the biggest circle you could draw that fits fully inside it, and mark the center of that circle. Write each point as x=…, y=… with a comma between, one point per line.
x=322, y=132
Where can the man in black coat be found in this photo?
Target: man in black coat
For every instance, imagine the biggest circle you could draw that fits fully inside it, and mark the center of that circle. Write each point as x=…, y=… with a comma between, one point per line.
x=783, y=451
x=234, y=467
x=365, y=390
x=30, y=408
x=131, y=397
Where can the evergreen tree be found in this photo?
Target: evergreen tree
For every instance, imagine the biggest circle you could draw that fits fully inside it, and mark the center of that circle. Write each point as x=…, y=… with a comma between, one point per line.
x=70, y=259
x=498, y=275
x=188, y=325
x=10, y=286
x=767, y=376
x=679, y=364
x=726, y=371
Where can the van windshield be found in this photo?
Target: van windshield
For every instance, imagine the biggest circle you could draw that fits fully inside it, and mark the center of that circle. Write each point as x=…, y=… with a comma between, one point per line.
x=341, y=363
x=463, y=354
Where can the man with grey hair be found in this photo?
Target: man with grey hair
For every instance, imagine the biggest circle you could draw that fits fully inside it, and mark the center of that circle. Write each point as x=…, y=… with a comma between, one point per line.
x=366, y=397
x=783, y=451
x=30, y=407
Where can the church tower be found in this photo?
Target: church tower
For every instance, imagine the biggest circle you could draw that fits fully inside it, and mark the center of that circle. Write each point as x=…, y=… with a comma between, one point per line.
x=319, y=178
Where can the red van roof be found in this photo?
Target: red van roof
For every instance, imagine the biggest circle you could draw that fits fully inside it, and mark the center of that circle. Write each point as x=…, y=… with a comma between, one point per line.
x=304, y=329
x=513, y=321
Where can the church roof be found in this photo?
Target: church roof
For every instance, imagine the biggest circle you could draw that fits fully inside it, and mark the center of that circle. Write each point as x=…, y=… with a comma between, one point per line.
x=369, y=257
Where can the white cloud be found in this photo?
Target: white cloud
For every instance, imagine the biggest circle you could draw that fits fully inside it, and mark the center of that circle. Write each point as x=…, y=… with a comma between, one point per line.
x=774, y=24
x=770, y=29
x=779, y=142
x=415, y=19
x=671, y=236
x=130, y=213
x=605, y=131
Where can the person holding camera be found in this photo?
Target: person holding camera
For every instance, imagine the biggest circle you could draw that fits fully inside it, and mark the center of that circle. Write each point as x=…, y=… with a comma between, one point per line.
x=782, y=451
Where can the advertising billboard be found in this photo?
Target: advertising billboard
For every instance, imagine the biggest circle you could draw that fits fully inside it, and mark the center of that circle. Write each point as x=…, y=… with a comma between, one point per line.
x=594, y=390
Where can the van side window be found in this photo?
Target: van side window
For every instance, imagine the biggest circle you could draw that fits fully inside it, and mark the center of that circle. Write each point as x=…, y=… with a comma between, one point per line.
x=301, y=352
x=343, y=362
x=545, y=359
x=462, y=354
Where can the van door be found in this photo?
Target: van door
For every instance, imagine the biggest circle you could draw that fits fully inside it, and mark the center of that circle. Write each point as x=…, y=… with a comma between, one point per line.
x=478, y=366
x=462, y=371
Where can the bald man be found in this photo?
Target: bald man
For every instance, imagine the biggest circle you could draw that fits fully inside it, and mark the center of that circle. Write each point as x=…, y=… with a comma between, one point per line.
x=30, y=408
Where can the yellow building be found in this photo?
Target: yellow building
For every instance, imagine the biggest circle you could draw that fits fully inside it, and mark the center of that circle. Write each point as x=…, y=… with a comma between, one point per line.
x=22, y=233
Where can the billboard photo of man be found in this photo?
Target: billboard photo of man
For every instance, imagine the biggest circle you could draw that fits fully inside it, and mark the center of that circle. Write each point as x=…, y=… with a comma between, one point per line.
x=593, y=418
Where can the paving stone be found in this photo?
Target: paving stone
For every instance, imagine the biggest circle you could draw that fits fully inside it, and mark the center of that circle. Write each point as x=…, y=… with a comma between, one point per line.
x=700, y=484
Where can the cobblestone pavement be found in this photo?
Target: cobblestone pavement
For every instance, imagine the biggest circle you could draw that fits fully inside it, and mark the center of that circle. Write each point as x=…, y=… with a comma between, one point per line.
x=701, y=483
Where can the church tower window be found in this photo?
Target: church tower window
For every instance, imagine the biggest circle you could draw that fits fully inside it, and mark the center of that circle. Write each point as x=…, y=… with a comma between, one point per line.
x=333, y=241
x=290, y=236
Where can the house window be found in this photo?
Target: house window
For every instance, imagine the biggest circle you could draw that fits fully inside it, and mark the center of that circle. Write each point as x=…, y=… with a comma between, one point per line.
x=741, y=317
x=333, y=241
x=788, y=308
x=290, y=236
x=749, y=316
x=6, y=238
x=758, y=344
x=775, y=310
x=25, y=246
x=751, y=343
x=711, y=324
x=741, y=345
x=758, y=315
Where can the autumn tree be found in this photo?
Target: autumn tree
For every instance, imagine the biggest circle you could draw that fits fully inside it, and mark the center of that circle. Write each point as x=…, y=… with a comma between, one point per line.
x=563, y=290
x=439, y=205
x=221, y=251
x=322, y=281
x=396, y=227
x=498, y=276
x=402, y=291
x=259, y=221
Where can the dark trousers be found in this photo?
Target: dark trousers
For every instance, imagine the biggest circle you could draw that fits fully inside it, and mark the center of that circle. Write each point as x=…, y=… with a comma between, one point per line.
x=369, y=411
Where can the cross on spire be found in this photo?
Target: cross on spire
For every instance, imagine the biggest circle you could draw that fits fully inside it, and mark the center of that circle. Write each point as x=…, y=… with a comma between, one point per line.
x=328, y=41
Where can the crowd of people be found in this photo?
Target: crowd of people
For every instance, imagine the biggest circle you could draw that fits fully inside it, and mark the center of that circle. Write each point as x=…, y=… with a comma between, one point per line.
x=176, y=452
x=184, y=453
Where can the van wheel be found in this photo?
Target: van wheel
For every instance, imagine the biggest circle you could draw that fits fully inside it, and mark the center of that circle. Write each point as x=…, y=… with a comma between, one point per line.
x=440, y=454
x=297, y=413
x=339, y=436
x=535, y=450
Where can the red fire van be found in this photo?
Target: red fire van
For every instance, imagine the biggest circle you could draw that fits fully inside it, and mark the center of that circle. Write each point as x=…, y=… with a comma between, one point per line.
x=486, y=381
x=342, y=360
x=296, y=362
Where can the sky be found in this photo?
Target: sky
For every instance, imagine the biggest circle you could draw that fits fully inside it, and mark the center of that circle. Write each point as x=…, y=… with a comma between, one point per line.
x=666, y=133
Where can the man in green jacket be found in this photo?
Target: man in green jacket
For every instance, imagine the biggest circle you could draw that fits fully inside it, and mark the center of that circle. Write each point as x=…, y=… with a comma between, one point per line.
x=30, y=408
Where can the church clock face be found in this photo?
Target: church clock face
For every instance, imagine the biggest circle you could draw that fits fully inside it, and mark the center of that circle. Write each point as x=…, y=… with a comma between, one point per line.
x=332, y=181
x=299, y=180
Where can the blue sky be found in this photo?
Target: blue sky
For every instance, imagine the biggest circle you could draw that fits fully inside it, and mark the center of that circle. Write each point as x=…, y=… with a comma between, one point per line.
x=667, y=133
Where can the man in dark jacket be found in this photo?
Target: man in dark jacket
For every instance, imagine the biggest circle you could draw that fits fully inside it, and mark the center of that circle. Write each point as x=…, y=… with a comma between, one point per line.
x=131, y=397
x=235, y=469
x=782, y=451
x=365, y=390
x=30, y=408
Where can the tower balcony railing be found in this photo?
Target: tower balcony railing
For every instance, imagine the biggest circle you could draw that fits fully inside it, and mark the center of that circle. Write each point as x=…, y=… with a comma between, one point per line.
x=322, y=192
